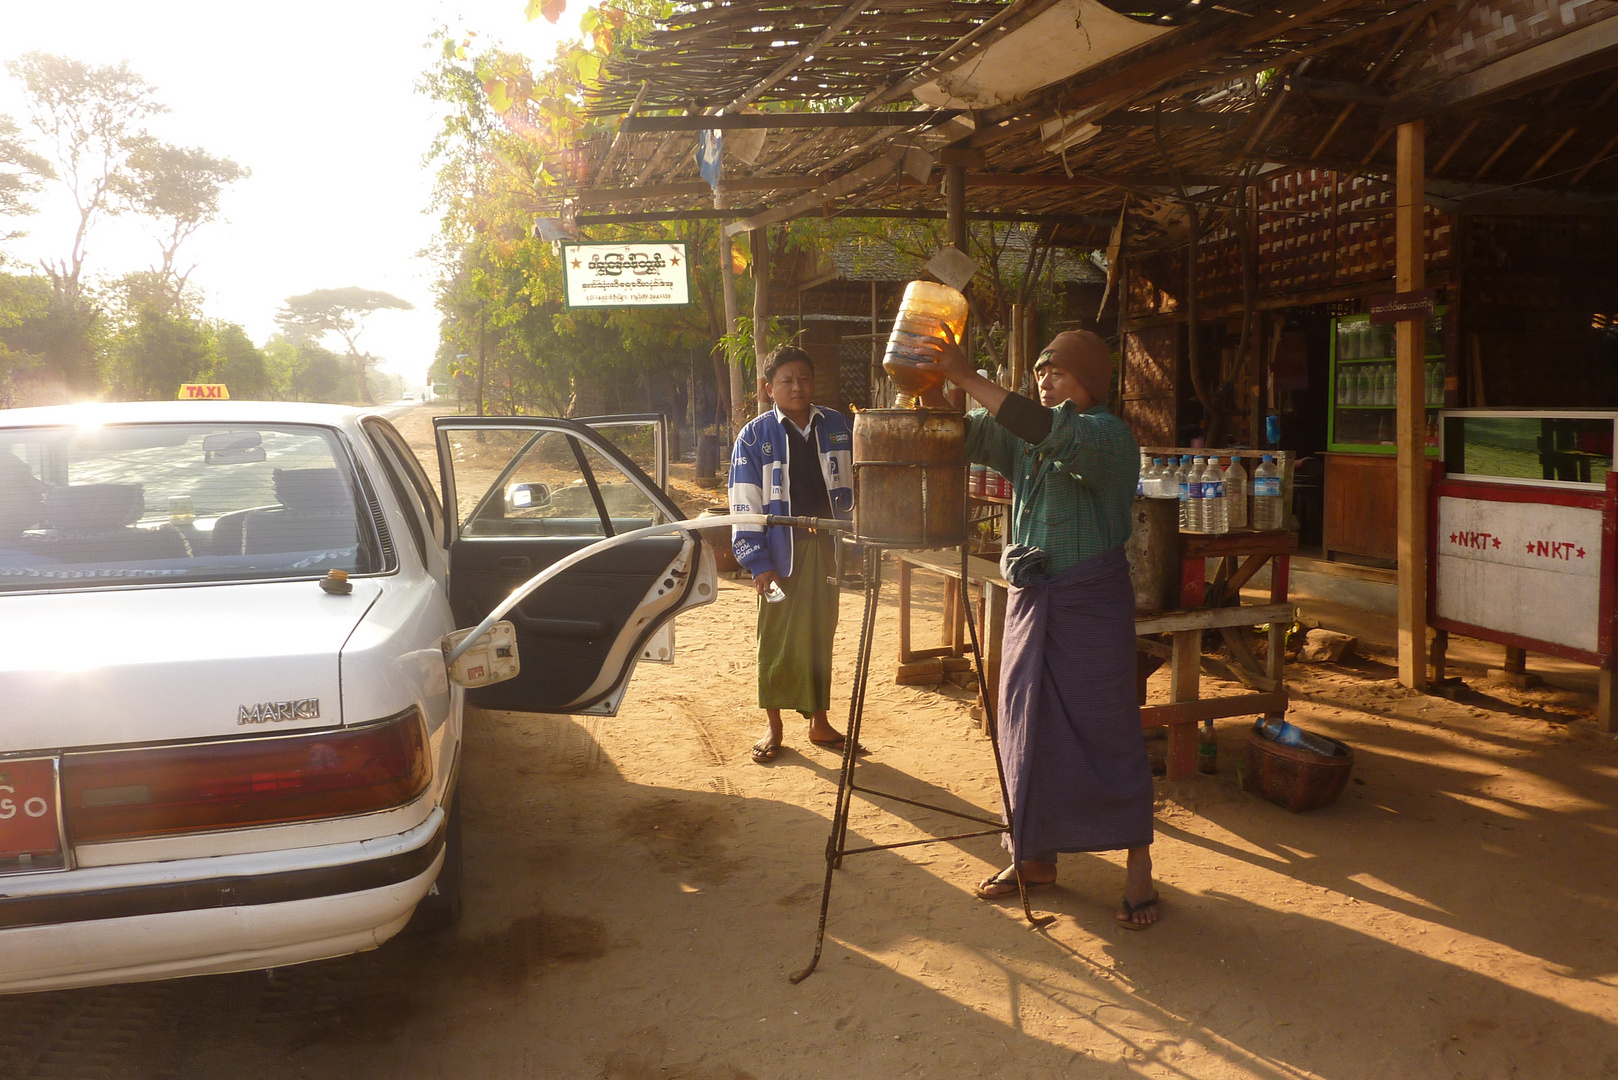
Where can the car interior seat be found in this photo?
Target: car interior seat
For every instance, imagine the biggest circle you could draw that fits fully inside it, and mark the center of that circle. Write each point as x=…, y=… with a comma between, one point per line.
x=316, y=514
x=94, y=523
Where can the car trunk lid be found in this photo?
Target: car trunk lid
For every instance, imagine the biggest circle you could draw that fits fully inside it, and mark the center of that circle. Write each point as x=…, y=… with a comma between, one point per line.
x=136, y=666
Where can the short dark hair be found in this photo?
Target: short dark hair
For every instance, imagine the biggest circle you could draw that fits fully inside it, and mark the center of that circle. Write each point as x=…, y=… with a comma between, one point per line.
x=785, y=354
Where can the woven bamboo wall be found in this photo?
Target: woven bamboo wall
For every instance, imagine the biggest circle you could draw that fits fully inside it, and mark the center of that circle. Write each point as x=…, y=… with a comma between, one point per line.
x=1317, y=230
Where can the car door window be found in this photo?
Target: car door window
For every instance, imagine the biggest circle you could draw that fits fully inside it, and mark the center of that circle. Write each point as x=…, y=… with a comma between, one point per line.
x=385, y=432
x=550, y=483
x=409, y=501
x=641, y=437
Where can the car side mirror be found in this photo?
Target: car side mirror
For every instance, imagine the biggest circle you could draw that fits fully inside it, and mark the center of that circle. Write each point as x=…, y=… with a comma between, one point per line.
x=491, y=659
x=527, y=497
x=232, y=448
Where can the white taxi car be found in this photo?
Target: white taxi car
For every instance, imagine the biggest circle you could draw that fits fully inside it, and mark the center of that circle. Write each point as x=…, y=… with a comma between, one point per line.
x=227, y=738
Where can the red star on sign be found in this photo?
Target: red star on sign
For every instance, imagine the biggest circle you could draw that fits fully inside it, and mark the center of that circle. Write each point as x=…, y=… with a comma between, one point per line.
x=1529, y=547
x=1497, y=541
x=674, y=260
x=577, y=264
x=1581, y=553
x=1452, y=538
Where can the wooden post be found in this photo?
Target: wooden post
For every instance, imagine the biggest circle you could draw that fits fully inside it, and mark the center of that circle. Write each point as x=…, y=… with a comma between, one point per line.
x=1016, y=359
x=955, y=206
x=992, y=636
x=905, y=655
x=727, y=279
x=1411, y=420
x=1606, y=714
x=760, y=238
x=1439, y=652
x=1185, y=684
x=875, y=399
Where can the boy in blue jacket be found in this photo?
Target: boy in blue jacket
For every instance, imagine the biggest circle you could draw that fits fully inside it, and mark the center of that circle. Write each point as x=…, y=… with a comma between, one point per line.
x=794, y=461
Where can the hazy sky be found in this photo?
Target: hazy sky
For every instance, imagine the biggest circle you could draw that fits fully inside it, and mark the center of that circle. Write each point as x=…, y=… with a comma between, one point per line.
x=318, y=99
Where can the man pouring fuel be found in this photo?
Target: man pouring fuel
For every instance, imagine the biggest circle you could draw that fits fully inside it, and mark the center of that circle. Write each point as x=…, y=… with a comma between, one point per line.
x=1070, y=734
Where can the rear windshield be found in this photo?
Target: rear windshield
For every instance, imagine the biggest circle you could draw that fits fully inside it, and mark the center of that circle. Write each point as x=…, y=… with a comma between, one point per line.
x=136, y=504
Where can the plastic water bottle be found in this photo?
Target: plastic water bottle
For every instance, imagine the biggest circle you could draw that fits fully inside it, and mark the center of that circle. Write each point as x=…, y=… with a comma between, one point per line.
x=1163, y=486
x=1197, y=513
x=1267, y=495
x=1236, y=493
x=1143, y=475
x=1216, y=509
x=1182, y=483
x=1278, y=730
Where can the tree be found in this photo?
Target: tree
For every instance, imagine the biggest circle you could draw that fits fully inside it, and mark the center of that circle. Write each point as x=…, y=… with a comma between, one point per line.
x=24, y=304
x=90, y=116
x=21, y=173
x=178, y=188
x=313, y=315
x=239, y=364
x=150, y=359
x=306, y=372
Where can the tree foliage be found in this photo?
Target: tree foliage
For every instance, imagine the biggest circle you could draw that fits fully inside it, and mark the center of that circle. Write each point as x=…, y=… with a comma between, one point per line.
x=90, y=117
x=22, y=173
x=312, y=316
x=510, y=132
x=178, y=189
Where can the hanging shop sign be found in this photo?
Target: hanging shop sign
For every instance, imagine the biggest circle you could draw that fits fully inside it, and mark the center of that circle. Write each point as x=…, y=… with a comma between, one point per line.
x=626, y=275
x=1404, y=306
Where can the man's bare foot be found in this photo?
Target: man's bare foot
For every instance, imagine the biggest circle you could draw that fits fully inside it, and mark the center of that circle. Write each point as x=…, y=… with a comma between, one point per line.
x=823, y=734
x=1139, y=907
x=1034, y=875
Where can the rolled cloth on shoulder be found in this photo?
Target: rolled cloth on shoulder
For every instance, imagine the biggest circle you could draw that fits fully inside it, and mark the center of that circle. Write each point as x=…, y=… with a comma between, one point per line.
x=1070, y=734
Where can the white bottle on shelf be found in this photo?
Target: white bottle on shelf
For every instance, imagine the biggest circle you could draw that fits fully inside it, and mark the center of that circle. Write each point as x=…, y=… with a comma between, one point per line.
x=1198, y=492
x=1236, y=493
x=1216, y=504
x=1267, y=495
x=1182, y=486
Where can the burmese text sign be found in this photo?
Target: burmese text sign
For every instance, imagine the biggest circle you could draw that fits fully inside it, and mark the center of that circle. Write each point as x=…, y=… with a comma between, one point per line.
x=625, y=275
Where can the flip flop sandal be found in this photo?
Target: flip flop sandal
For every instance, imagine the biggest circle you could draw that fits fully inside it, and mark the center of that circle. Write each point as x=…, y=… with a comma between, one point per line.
x=1129, y=923
x=1007, y=880
x=765, y=755
x=836, y=744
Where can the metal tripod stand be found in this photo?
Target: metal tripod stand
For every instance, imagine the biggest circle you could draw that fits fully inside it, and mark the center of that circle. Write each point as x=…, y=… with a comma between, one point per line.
x=846, y=786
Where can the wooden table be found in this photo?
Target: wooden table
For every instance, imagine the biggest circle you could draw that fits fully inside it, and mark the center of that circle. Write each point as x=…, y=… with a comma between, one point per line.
x=1242, y=553
x=990, y=614
x=1186, y=707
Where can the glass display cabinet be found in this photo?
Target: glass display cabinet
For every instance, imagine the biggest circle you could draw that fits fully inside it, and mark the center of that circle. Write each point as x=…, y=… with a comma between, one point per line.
x=1363, y=381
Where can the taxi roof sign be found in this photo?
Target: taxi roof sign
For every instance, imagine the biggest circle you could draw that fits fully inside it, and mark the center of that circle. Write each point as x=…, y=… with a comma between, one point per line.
x=204, y=392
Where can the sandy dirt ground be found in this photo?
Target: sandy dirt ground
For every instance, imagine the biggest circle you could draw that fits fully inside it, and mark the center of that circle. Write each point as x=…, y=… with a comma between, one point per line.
x=638, y=892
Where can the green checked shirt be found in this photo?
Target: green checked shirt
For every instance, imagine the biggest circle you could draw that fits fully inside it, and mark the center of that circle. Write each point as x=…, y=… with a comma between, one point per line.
x=1072, y=494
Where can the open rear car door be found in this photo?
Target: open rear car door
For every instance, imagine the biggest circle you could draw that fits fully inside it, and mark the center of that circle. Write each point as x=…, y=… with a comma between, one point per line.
x=522, y=493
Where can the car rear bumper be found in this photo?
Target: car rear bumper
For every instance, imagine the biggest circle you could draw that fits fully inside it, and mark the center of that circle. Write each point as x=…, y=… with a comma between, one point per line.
x=199, y=916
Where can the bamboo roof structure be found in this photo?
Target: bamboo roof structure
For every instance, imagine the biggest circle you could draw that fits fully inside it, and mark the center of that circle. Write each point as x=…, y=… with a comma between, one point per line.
x=837, y=108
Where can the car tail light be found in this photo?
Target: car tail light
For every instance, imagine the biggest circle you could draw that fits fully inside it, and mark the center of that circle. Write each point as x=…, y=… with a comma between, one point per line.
x=237, y=783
